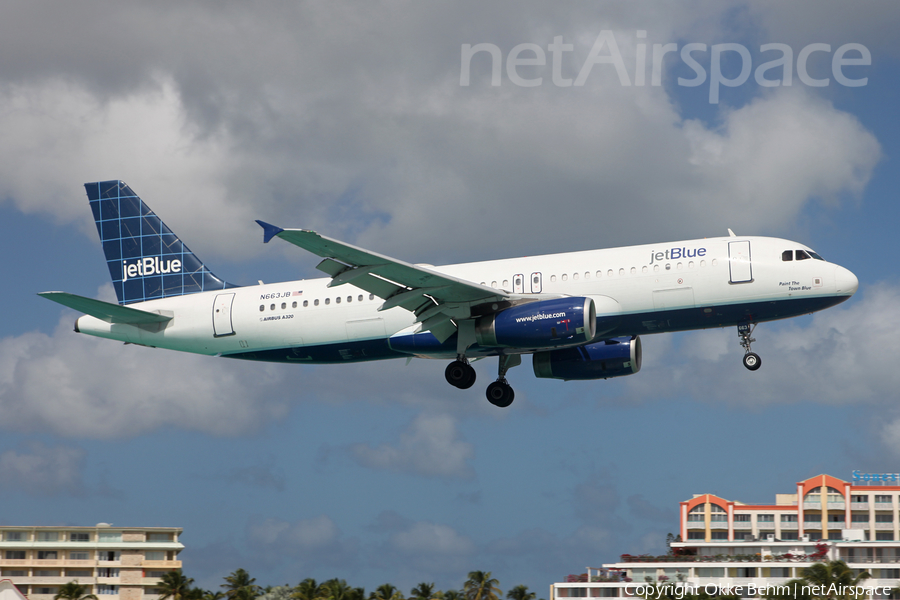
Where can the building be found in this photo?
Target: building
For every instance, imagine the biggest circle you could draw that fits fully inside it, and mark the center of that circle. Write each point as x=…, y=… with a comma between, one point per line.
x=125, y=562
x=729, y=545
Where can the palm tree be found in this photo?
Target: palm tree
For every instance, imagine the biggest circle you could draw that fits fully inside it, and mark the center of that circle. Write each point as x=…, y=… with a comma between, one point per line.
x=520, y=592
x=480, y=586
x=834, y=572
x=451, y=595
x=834, y=579
x=174, y=585
x=423, y=591
x=337, y=589
x=74, y=591
x=307, y=589
x=386, y=591
x=210, y=595
x=240, y=586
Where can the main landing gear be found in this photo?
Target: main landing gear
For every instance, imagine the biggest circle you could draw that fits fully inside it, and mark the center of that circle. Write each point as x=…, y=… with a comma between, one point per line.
x=460, y=374
x=751, y=359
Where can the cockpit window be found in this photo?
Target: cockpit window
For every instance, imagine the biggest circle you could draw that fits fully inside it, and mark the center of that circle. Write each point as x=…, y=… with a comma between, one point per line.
x=802, y=255
x=816, y=256
x=787, y=255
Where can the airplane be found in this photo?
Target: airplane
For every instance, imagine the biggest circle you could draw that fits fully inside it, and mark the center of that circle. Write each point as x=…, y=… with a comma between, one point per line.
x=579, y=314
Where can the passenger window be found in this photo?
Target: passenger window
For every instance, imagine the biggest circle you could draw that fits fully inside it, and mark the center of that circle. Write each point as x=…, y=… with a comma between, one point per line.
x=349, y=298
x=621, y=272
x=575, y=276
x=787, y=255
x=802, y=255
x=587, y=275
x=553, y=278
x=599, y=274
x=336, y=300
x=506, y=284
x=283, y=305
x=633, y=270
x=565, y=277
x=359, y=299
x=316, y=302
x=305, y=303
x=371, y=296
x=644, y=269
x=262, y=307
x=272, y=307
x=294, y=304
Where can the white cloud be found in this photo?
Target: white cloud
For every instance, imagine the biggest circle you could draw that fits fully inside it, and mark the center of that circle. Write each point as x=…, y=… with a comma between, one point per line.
x=370, y=137
x=78, y=386
x=429, y=446
x=43, y=470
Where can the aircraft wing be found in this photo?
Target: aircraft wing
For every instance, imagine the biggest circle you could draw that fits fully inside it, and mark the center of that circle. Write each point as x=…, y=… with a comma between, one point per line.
x=435, y=298
x=105, y=311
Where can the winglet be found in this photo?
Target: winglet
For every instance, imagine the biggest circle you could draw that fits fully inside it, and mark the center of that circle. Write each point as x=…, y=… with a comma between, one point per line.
x=269, y=231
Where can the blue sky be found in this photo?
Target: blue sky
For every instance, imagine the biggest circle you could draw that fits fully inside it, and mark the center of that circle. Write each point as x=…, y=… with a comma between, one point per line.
x=351, y=120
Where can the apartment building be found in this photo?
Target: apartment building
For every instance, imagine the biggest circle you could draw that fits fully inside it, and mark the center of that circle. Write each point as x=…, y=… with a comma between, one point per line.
x=742, y=548
x=121, y=562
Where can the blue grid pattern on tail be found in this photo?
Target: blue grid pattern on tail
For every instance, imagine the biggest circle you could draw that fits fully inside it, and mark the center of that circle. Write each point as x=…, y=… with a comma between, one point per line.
x=145, y=259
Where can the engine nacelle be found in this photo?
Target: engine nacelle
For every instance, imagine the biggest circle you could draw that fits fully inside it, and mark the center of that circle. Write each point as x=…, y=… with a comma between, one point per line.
x=611, y=358
x=544, y=324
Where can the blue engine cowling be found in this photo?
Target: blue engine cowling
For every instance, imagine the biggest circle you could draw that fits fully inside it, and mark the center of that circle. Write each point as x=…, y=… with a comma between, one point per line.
x=611, y=358
x=545, y=324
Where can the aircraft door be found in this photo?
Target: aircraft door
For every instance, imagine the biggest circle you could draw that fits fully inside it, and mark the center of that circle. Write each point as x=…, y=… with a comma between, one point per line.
x=739, y=265
x=535, y=283
x=222, y=315
x=518, y=284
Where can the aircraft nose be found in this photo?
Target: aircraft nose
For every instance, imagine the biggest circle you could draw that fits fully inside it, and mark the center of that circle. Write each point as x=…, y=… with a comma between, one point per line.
x=845, y=281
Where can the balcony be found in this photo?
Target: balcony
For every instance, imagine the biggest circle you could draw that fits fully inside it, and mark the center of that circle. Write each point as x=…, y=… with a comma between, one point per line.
x=812, y=505
x=884, y=526
x=836, y=506
x=766, y=525
x=743, y=525
x=789, y=525
x=884, y=506
x=859, y=506
x=856, y=525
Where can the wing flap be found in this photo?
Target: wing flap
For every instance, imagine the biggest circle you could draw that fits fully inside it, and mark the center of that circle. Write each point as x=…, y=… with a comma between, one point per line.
x=105, y=311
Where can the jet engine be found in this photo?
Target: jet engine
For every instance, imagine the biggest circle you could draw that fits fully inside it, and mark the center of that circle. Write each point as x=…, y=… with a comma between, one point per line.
x=545, y=324
x=614, y=357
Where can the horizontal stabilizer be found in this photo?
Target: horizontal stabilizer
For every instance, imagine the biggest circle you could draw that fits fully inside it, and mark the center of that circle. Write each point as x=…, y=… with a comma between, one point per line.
x=105, y=311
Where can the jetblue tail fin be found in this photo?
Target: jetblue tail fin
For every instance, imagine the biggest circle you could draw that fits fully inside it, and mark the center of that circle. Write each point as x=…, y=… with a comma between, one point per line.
x=146, y=260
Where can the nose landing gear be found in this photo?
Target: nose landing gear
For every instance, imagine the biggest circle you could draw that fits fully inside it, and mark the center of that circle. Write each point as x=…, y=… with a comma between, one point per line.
x=751, y=360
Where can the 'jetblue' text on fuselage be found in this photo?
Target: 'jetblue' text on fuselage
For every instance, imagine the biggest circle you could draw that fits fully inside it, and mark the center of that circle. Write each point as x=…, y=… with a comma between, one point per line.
x=676, y=253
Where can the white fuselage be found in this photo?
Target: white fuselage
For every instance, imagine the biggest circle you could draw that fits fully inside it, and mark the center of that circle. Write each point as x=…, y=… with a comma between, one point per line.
x=654, y=288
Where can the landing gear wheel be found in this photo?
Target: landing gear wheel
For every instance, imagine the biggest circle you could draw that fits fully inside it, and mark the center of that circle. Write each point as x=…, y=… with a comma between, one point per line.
x=500, y=393
x=460, y=374
x=752, y=361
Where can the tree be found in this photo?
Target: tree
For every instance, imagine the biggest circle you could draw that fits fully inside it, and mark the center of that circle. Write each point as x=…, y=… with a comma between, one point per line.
x=480, y=586
x=307, y=589
x=337, y=589
x=520, y=592
x=386, y=591
x=423, y=591
x=821, y=581
x=240, y=586
x=450, y=595
x=73, y=591
x=175, y=585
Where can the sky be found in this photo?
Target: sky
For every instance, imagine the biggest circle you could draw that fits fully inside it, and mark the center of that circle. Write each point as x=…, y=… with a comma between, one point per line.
x=365, y=122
